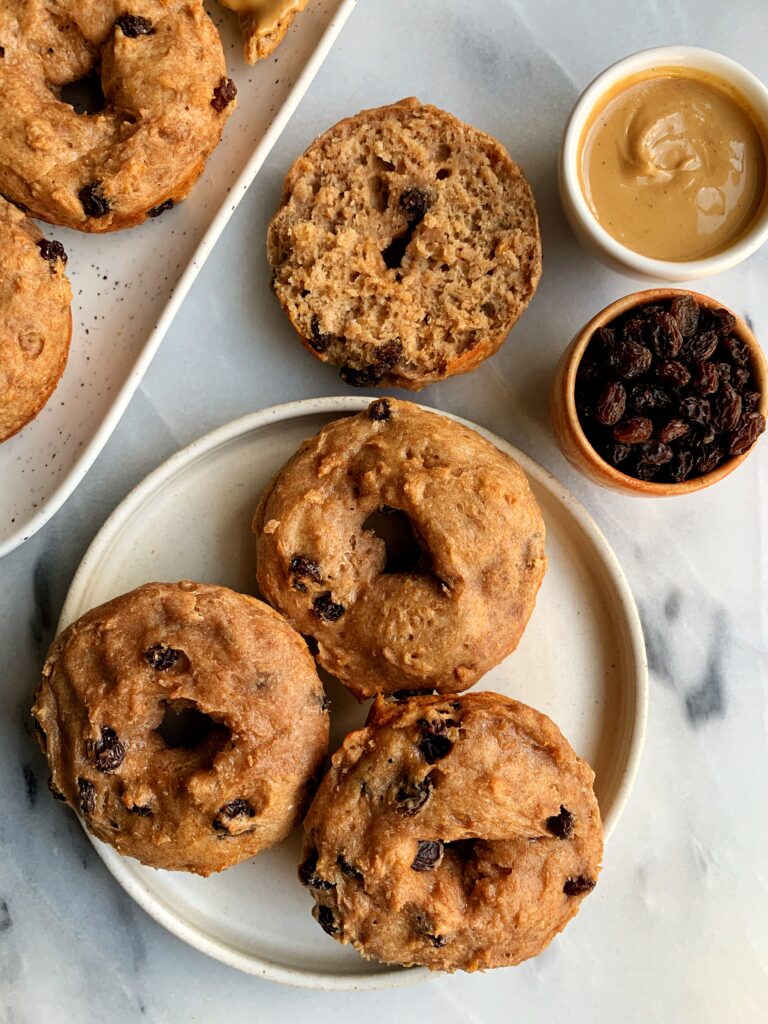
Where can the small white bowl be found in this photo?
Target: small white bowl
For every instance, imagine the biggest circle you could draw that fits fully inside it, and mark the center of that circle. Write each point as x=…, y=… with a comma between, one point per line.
x=580, y=217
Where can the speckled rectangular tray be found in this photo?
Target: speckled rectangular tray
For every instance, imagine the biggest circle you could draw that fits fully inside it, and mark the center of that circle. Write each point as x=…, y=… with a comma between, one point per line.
x=128, y=286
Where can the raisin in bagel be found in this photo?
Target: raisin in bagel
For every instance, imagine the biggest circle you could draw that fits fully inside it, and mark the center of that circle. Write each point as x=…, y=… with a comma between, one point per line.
x=185, y=723
x=166, y=93
x=439, y=608
x=455, y=834
x=264, y=24
x=405, y=246
x=35, y=319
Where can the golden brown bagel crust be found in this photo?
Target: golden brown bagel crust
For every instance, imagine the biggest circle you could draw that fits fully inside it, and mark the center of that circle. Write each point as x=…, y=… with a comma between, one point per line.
x=455, y=834
x=35, y=319
x=167, y=97
x=237, y=786
x=455, y=615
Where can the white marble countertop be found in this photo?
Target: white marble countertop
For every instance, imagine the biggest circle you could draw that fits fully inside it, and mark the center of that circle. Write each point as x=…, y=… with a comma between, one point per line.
x=678, y=928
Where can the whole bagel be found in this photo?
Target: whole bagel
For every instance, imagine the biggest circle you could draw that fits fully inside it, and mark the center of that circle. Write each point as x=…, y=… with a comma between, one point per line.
x=167, y=97
x=436, y=610
x=185, y=723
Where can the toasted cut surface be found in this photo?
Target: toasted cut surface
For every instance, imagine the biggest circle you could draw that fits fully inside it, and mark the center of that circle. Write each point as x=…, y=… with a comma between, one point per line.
x=408, y=547
x=35, y=319
x=405, y=247
x=458, y=834
x=185, y=723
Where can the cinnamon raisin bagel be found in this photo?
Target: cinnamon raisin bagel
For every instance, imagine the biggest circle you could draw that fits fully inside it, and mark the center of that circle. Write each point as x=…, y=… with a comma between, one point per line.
x=405, y=546
x=35, y=319
x=166, y=99
x=185, y=723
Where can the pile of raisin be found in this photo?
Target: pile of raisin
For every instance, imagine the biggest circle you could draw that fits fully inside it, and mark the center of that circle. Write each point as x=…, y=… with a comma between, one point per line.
x=665, y=392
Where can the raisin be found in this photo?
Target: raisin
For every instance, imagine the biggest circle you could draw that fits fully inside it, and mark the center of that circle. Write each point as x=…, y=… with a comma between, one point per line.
x=577, y=885
x=699, y=347
x=86, y=796
x=368, y=377
x=95, y=204
x=319, y=340
x=724, y=372
x=696, y=410
x=740, y=378
x=326, y=608
x=750, y=427
x=736, y=350
x=705, y=379
x=616, y=453
x=306, y=568
x=673, y=373
x=160, y=657
x=428, y=855
x=561, y=825
x=348, y=870
x=108, y=752
x=411, y=796
x=646, y=470
x=648, y=398
x=238, y=808
x=727, y=408
x=628, y=359
x=603, y=340
x=588, y=374
x=672, y=431
x=142, y=810
x=611, y=403
x=633, y=330
x=132, y=26
x=415, y=202
x=633, y=430
x=685, y=310
x=223, y=94
x=433, y=747
x=721, y=321
x=655, y=453
x=326, y=920
x=161, y=208
x=750, y=400
x=710, y=459
x=664, y=335
x=52, y=250
x=681, y=467
x=380, y=410
x=54, y=790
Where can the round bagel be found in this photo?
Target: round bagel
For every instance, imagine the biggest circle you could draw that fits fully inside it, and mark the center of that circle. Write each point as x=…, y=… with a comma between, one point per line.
x=167, y=97
x=405, y=246
x=455, y=834
x=185, y=723
x=35, y=319
x=434, y=609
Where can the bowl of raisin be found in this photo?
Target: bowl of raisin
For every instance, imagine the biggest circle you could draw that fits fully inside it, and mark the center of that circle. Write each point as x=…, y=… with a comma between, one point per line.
x=664, y=392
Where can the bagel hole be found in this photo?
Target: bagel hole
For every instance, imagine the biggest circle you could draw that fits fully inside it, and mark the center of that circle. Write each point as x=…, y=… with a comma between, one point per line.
x=186, y=727
x=404, y=553
x=84, y=95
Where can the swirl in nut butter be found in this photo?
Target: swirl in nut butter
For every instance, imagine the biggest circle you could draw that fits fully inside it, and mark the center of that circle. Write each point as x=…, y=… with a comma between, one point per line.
x=673, y=165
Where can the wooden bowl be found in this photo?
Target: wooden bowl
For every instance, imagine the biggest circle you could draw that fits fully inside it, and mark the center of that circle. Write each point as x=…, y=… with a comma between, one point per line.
x=565, y=420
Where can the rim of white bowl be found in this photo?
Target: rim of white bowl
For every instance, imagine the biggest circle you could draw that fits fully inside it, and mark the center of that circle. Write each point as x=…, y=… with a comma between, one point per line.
x=119, y=866
x=700, y=59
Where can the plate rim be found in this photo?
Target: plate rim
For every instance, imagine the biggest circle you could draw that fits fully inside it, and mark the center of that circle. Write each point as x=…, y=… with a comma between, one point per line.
x=119, y=867
x=137, y=371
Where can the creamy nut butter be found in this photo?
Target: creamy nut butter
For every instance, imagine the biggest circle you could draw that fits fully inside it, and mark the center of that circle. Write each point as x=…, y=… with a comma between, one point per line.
x=673, y=164
x=266, y=15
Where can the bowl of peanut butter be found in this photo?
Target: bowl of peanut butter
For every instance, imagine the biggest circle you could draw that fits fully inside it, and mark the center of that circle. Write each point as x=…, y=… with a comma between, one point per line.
x=664, y=164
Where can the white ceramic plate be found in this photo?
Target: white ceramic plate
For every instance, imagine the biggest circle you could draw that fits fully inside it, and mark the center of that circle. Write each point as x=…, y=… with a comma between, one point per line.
x=129, y=285
x=582, y=661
